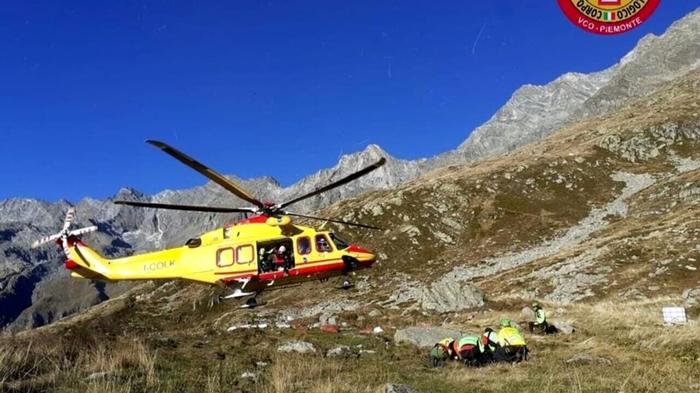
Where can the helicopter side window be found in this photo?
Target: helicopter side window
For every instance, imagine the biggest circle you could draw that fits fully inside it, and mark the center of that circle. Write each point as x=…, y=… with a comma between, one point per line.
x=224, y=257
x=304, y=245
x=276, y=255
x=244, y=254
x=322, y=244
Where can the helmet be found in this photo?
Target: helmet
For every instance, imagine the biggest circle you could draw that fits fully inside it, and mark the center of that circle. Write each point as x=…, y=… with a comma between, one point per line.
x=282, y=249
x=505, y=322
x=535, y=304
x=488, y=330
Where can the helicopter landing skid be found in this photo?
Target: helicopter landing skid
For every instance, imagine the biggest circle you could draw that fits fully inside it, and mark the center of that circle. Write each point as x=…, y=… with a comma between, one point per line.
x=251, y=303
x=238, y=293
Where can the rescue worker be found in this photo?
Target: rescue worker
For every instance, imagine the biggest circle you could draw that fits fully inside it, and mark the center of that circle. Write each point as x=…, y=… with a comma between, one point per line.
x=442, y=351
x=450, y=345
x=438, y=355
x=491, y=346
x=540, y=319
x=266, y=261
x=513, y=345
x=282, y=259
x=322, y=245
x=471, y=350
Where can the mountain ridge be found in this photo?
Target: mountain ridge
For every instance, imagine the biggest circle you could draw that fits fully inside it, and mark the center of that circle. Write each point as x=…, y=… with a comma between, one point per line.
x=532, y=113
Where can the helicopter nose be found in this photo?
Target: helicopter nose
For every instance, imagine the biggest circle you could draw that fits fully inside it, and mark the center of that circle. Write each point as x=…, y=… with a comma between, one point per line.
x=365, y=257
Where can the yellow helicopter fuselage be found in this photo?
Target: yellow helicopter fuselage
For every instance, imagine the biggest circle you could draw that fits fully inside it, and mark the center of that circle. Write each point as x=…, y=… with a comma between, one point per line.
x=230, y=255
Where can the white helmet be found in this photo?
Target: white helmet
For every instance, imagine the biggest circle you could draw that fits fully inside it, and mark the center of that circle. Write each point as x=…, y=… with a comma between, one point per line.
x=282, y=249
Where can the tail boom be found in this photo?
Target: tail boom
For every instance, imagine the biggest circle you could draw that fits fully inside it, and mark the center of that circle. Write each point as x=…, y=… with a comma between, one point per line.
x=84, y=262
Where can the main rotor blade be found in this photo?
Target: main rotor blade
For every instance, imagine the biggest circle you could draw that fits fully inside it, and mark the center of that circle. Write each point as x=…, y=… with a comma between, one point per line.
x=191, y=208
x=70, y=215
x=82, y=231
x=45, y=240
x=208, y=172
x=337, y=183
x=354, y=224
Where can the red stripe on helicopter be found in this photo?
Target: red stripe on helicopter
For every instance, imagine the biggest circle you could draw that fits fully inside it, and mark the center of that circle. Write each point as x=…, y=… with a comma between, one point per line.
x=238, y=272
x=357, y=248
x=71, y=264
x=253, y=220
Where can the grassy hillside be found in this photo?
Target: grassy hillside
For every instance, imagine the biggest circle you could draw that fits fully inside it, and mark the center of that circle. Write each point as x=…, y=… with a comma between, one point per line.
x=599, y=221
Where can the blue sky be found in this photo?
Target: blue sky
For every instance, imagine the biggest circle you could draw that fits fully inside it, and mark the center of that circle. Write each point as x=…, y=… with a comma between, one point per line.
x=264, y=88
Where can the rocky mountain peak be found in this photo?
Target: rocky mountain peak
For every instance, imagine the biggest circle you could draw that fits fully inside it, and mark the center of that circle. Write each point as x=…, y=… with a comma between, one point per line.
x=532, y=113
x=358, y=159
x=535, y=111
x=128, y=193
x=374, y=149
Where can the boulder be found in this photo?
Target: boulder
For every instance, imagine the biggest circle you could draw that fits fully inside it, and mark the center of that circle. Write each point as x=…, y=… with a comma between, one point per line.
x=451, y=296
x=398, y=388
x=297, y=346
x=328, y=319
x=563, y=327
x=516, y=325
x=341, y=350
x=527, y=314
x=635, y=149
x=691, y=296
x=424, y=337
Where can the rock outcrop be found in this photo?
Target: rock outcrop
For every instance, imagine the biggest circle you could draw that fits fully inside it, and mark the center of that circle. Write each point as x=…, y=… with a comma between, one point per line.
x=424, y=336
x=451, y=296
x=533, y=113
x=297, y=346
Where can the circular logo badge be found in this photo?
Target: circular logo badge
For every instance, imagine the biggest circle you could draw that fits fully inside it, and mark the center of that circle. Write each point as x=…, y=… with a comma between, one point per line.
x=608, y=16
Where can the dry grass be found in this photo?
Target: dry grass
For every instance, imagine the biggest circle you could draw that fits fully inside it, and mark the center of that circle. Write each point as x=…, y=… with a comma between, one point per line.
x=47, y=363
x=627, y=347
x=298, y=373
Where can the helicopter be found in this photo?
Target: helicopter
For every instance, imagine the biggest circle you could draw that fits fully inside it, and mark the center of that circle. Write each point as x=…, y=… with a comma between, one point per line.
x=265, y=249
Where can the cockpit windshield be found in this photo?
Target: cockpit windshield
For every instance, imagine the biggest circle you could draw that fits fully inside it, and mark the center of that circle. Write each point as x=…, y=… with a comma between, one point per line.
x=340, y=244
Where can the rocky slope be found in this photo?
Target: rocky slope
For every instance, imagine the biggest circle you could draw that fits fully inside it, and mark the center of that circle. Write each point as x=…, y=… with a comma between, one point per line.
x=34, y=288
x=536, y=111
x=600, y=221
x=607, y=207
x=29, y=278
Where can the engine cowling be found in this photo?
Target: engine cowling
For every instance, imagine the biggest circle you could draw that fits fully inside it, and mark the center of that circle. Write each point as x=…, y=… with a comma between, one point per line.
x=278, y=221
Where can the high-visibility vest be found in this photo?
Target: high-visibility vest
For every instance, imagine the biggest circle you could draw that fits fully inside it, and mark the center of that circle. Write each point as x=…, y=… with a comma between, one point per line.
x=446, y=342
x=540, y=316
x=493, y=339
x=438, y=352
x=510, y=336
x=471, y=340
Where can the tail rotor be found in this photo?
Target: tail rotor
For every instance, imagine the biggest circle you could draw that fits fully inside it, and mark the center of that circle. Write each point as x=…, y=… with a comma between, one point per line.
x=65, y=232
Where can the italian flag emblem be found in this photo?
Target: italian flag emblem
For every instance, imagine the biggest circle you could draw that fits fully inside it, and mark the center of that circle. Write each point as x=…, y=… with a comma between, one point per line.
x=609, y=16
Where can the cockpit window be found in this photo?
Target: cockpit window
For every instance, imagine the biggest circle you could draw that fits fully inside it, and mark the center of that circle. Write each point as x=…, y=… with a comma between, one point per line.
x=340, y=244
x=322, y=244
